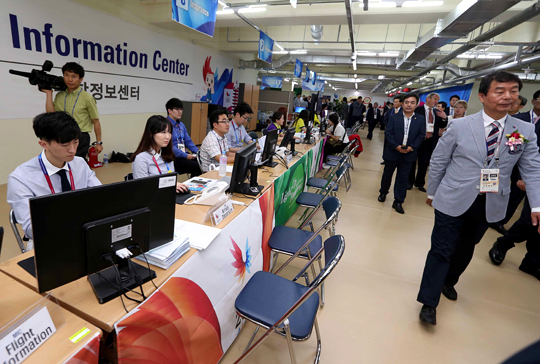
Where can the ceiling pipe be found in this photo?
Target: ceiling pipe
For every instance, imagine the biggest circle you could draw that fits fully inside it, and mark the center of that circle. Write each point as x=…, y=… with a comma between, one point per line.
x=348, y=8
x=523, y=16
x=317, y=33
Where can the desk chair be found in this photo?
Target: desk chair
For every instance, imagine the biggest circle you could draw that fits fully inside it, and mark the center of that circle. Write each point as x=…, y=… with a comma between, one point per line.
x=290, y=241
x=199, y=162
x=327, y=181
x=13, y=223
x=348, y=165
x=287, y=307
x=263, y=131
x=253, y=135
x=330, y=160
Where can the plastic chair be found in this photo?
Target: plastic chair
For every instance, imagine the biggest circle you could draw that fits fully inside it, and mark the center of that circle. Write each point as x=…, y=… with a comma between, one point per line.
x=13, y=223
x=287, y=307
x=287, y=240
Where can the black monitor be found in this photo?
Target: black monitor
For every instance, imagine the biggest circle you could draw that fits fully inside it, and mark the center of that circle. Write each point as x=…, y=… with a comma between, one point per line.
x=245, y=168
x=269, y=149
x=77, y=233
x=289, y=138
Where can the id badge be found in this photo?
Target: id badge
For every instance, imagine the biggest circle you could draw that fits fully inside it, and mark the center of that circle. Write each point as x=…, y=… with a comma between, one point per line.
x=430, y=128
x=489, y=180
x=182, y=147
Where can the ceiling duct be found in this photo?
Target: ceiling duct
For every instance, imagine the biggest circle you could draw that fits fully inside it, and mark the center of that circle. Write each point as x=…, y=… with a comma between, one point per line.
x=466, y=17
x=323, y=60
x=317, y=33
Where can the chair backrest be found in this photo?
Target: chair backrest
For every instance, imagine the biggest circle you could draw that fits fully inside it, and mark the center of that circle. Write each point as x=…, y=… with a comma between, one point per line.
x=335, y=169
x=13, y=223
x=263, y=131
x=331, y=206
x=199, y=162
x=334, y=247
x=253, y=135
x=128, y=177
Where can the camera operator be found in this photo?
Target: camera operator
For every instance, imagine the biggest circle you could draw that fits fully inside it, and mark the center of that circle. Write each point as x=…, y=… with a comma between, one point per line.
x=79, y=104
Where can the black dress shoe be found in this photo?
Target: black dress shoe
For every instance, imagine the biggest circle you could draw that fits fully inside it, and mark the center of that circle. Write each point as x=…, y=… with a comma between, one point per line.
x=409, y=187
x=382, y=197
x=500, y=228
x=421, y=189
x=428, y=315
x=397, y=206
x=382, y=163
x=530, y=269
x=497, y=255
x=449, y=292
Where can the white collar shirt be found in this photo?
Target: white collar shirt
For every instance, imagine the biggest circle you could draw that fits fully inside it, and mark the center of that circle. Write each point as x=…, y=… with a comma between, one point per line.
x=488, y=120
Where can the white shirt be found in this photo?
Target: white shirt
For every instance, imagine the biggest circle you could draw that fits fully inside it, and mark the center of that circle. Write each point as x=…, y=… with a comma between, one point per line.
x=406, y=127
x=427, y=115
x=340, y=132
x=144, y=166
x=488, y=120
x=533, y=115
x=212, y=146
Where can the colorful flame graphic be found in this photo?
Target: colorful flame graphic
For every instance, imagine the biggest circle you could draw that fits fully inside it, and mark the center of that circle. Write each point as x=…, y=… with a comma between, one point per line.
x=239, y=263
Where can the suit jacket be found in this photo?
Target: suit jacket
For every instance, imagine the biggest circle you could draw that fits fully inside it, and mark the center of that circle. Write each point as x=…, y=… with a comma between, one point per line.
x=370, y=115
x=385, y=109
x=525, y=116
x=387, y=115
x=438, y=123
x=394, y=133
x=454, y=172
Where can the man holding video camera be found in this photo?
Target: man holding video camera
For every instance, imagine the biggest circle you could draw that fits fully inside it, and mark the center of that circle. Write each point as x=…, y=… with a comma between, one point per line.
x=79, y=104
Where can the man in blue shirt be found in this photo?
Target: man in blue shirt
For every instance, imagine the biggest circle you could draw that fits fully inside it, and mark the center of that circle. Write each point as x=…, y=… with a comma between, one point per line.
x=184, y=162
x=237, y=134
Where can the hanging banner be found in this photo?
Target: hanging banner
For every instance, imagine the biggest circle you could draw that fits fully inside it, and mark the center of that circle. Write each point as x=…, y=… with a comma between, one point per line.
x=308, y=74
x=199, y=15
x=298, y=68
x=272, y=81
x=266, y=46
x=318, y=86
x=312, y=77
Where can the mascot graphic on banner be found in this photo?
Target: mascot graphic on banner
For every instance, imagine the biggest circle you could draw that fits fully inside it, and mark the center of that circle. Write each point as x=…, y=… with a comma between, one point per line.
x=219, y=90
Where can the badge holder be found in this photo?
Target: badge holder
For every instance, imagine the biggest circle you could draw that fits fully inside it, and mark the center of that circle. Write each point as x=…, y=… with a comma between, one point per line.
x=35, y=325
x=215, y=215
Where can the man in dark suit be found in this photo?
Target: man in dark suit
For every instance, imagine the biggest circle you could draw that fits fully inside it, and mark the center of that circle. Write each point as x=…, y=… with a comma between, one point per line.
x=520, y=104
x=404, y=135
x=435, y=120
x=356, y=112
x=373, y=116
x=517, y=194
x=386, y=117
x=449, y=110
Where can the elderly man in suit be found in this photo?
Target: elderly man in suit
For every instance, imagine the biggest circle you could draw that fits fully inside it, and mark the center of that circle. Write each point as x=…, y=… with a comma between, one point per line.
x=404, y=134
x=457, y=191
x=435, y=120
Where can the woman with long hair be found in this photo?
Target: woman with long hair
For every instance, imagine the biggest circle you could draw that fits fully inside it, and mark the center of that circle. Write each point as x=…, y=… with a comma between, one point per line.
x=300, y=122
x=337, y=137
x=155, y=155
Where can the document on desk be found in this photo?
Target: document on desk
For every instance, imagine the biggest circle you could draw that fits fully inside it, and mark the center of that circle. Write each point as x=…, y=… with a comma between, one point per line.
x=166, y=255
x=200, y=236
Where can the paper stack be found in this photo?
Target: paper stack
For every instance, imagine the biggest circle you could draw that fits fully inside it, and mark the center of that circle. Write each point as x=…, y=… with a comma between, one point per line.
x=166, y=255
x=200, y=236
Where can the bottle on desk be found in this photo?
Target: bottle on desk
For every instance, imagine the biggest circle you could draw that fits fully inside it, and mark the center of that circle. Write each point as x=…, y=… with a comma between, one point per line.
x=223, y=164
x=105, y=160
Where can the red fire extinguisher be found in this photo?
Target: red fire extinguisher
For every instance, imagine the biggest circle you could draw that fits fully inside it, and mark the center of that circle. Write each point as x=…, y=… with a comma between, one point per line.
x=93, y=161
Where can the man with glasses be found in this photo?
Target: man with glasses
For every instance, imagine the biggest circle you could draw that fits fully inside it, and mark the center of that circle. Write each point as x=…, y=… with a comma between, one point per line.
x=237, y=134
x=215, y=142
x=184, y=162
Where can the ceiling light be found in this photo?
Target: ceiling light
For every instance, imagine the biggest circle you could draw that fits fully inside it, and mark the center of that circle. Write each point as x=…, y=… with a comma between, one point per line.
x=355, y=75
x=466, y=55
x=330, y=84
x=381, y=77
x=299, y=51
x=410, y=83
x=280, y=52
x=222, y=3
x=489, y=56
x=279, y=46
x=421, y=78
x=325, y=82
x=389, y=4
x=251, y=10
x=226, y=11
x=258, y=6
x=286, y=79
x=354, y=65
x=356, y=85
x=271, y=71
x=388, y=54
x=366, y=54
x=421, y=4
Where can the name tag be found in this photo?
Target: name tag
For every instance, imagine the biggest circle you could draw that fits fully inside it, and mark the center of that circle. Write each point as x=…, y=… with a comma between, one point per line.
x=489, y=180
x=182, y=147
x=222, y=212
x=429, y=128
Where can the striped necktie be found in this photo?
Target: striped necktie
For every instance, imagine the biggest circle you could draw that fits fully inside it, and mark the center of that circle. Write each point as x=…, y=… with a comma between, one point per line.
x=491, y=141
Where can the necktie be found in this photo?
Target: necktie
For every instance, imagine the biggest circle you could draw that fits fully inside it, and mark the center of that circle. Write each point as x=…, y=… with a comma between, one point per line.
x=429, y=134
x=491, y=142
x=64, y=180
x=536, y=119
x=451, y=111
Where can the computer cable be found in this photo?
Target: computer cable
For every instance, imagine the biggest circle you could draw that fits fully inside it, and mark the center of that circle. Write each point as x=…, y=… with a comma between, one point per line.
x=148, y=264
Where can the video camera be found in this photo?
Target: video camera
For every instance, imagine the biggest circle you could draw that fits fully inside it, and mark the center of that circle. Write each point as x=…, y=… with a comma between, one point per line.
x=41, y=78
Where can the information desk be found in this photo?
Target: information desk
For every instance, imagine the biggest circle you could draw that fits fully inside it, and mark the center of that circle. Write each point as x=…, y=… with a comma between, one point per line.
x=192, y=314
x=58, y=348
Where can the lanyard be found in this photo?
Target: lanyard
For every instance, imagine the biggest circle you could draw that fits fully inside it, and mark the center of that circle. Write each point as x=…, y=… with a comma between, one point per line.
x=407, y=126
x=234, y=130
x=157, y=165
x=176, y=124
x=219, y=144
x=46, y=174
x=77, y=99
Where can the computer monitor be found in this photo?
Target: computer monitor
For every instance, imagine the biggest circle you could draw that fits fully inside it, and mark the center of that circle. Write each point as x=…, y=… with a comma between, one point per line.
x=245, y=168
x=298, y=109
x=307, y=139
x=289, y=138
x=76, y=233
x=269, y=149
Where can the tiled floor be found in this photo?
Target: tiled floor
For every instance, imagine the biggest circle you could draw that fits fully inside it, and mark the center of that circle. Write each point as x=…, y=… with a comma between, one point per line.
x=371, y=313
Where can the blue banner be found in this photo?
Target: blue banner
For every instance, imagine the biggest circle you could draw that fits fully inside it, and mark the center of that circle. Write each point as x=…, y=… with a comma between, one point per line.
x=464, y=93
x=298, y=68
x=308, y=73
x=319, y=86
x=196, y=14
x=266, y=46
x=312, y=77
x=272, y=81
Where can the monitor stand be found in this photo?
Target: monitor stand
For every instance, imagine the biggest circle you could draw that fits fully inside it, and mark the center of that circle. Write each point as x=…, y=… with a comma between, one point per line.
x=252, y=188
x=270, y=162
x=105, y=291
x=293, y=152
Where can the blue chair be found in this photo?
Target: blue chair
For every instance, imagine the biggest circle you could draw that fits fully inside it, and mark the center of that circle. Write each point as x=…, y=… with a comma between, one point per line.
x=301, y=243
x=327, y=182
x=348, y=164
x=286, y=307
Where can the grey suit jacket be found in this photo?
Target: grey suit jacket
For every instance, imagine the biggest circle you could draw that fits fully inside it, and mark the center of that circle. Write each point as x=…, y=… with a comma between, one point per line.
x=454, y=174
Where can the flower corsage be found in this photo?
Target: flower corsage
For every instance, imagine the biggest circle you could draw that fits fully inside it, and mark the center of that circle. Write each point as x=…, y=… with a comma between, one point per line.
x=515, y=141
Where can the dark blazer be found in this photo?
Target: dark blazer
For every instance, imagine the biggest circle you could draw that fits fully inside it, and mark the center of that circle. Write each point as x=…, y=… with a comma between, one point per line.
x=387, y=115
x=439, y=123
x=385, y=109
x=395, y=131
x=370, y=115
x=525, y=116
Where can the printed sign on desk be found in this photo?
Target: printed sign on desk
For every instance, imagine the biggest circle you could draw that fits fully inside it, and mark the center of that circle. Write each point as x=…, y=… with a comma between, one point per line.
x=298, y=68
x=266, y=46
x=272, y=81
x=199, y=15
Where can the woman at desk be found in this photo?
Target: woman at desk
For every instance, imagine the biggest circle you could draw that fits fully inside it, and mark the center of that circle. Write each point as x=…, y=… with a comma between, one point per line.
x=155, y=155
x=278, y=119
x=337, y=137
x=299, y=124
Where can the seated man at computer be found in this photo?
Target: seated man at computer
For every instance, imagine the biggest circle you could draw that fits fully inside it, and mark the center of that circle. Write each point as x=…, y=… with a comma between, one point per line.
x=215, y=143
x=237, y=134
x=56, y=169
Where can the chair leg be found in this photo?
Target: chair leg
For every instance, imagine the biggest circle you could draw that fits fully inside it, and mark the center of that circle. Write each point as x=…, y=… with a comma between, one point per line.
x=321, y=303
x=274, y=258
x=311, y=226
x=289, y=341
x=301, y=219
x=251, y=340
x=318, y=353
